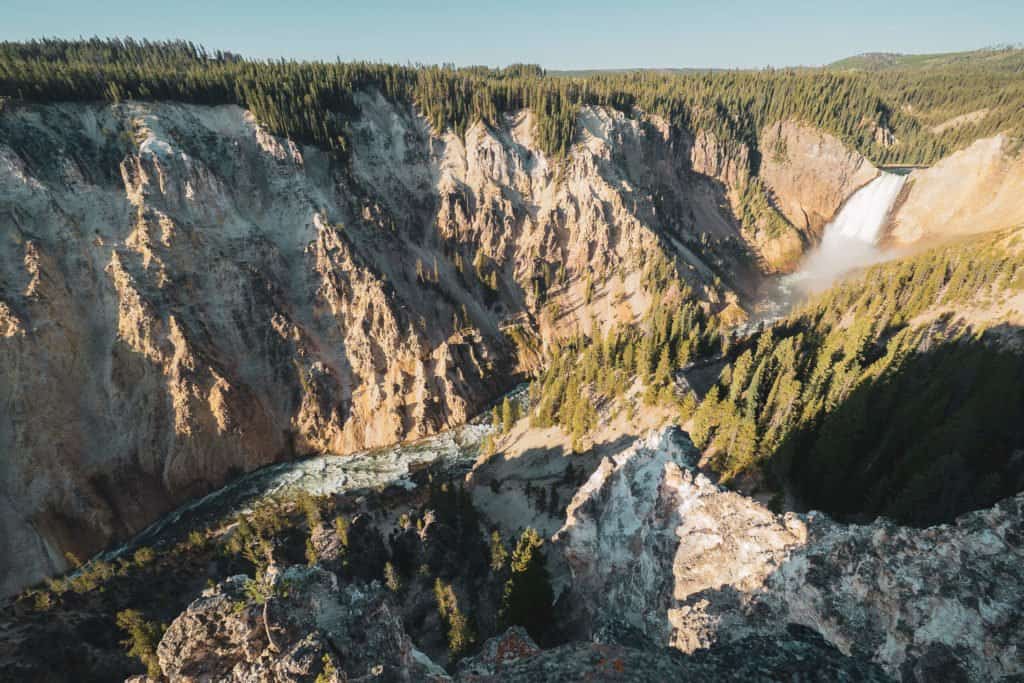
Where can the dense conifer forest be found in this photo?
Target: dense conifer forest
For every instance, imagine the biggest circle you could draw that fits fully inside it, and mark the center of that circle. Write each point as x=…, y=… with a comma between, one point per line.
x=877, y=398
x=892, y=116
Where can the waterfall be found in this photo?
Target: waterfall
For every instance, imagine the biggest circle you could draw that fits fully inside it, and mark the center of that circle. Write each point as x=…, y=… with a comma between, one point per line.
x=863, y=215
x=850, y=240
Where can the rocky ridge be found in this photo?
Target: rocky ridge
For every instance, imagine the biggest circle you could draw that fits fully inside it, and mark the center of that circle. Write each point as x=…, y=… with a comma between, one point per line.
x=349, y=633
x=652, y=542
x=671, y=577
x=314, y=625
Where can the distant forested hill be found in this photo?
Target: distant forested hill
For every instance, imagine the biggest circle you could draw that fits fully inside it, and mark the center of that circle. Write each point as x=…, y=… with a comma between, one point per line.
x=1003, y=59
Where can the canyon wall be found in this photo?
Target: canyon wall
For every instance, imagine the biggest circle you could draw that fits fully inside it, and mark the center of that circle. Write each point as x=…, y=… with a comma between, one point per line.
x=810, y=174
x=788, y=189
x=184, y=297
x=977, y=189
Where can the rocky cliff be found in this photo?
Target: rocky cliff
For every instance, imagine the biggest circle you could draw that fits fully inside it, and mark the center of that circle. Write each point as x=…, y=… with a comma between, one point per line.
x=810, y=174
x=655, y=548
x=664, y=576
x=321, y=631
x=977, y=189
x=318, y=624
x=184, y=296
x=788, y=188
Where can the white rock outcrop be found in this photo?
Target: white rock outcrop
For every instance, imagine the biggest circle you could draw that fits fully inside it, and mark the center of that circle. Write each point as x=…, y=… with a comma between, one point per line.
x=656, y=548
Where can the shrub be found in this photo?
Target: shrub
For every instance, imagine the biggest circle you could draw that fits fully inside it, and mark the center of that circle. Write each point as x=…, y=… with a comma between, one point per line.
x=142, y=641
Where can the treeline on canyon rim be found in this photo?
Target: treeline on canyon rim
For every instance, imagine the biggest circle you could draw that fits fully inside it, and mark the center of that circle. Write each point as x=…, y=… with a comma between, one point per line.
x=892, y=116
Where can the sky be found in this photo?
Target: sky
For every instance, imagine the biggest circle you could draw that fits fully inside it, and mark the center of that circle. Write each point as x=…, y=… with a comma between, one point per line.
x=557, y=34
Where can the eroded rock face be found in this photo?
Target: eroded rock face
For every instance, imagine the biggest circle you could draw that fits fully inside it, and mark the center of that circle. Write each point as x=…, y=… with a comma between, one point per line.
x=316, y=626
x=183, y=296
x=917, y=601
x=352, y=633
x=657, y=549
x=977, y=189
x=497, y=655
x=810, y=173
x=806, y=174
x=647, y=532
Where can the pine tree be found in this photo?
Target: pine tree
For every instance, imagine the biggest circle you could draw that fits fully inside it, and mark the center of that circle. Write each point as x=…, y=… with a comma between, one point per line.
x=740, y=374
x=458, y=627
x=629, y=357
x=142, y=641
x=391, y=578
x=311, y=555
x=528, y=597
x=498, y=553
x=460, y=633
x=645, y=362
x=663, y=373
x=705, y=419
x=685, y=350
x=688, y=407
x=341, y=527
x=508, y=417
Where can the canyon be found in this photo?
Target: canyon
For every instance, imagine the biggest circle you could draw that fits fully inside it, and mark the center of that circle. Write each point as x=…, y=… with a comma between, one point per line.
x=315, y=336
x=141, y=367
x=189, y=301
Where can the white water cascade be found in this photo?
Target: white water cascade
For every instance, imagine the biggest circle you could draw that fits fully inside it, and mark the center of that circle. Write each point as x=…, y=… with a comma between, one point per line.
x=850, y=240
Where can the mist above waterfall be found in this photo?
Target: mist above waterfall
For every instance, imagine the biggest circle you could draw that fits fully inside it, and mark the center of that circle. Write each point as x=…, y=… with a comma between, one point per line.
x=850, y=241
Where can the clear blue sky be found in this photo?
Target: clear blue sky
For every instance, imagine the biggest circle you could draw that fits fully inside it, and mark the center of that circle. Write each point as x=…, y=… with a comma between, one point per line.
x=556, y=34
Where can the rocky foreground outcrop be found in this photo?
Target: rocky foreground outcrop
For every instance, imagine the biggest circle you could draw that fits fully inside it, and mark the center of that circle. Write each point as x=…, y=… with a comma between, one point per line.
x=657, y=549
x=670, y=577
x=800, y=655
x=308, y=626
x=318, y=629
